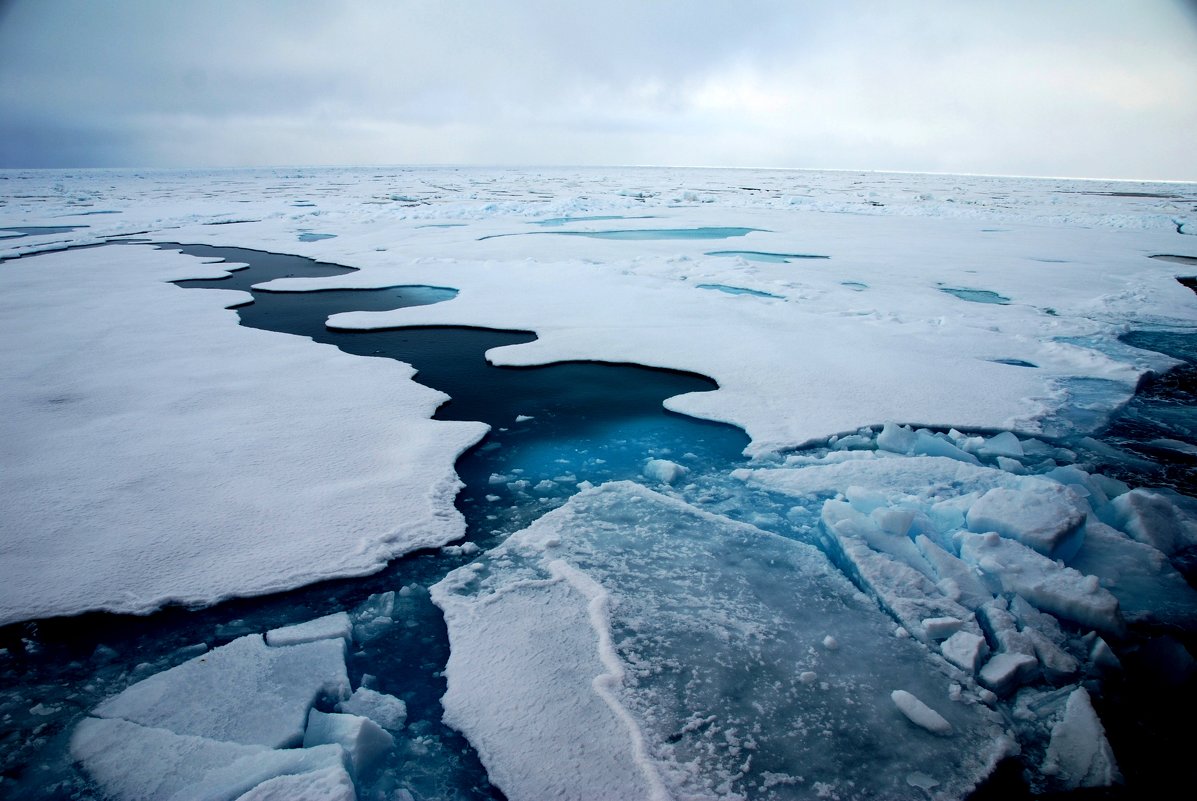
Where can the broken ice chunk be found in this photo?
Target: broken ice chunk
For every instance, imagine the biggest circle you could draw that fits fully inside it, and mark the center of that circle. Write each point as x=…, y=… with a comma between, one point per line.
x=1045, y=583
x=969, y=589
x=907, y=593
x=605, y=637
x=329, y=627
x=1151, y=517
x=665, y=471
x=1138, y=575
x=385, y=710
x=940, y=628
x=1002, y=628
x=1005, y=671
x=920, y=714
x=928, y=444
x=1079, y=754
x=330, y=784
x=1004, y=444
x=896, y=438
x=1043, y=515
x=363, y=739
x=965, y=650
x=131, y=762
x=243, y=692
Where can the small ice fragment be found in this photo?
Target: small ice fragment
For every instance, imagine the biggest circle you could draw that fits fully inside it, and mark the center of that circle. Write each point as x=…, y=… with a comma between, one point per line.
x=940, y=628
x=523, y=418
x=1010, y=465
x=1006, y=671
x=328, y=627
x=1102, y=656
x=1152, y=518
x=1079, y=754
x=920, y=714
x=665, y=471
x=808, y=677
x=1003, y=444
x=385, y=710
x=921, y=780
x=896, y=438
x=928, y=444
x=1042, y=516
x=363, y=739
x=328, y=784
x=830, y=643
x=965, y=650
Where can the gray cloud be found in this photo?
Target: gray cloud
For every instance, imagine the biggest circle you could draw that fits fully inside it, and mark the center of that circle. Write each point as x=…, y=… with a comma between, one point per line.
x=1099, y=88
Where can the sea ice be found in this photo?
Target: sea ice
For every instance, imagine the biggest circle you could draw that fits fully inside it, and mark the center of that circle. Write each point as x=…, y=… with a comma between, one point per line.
x=329, y=627
x=154, y=450
x=920, y=714
x=330, y=784
x=1046, y=583
x=643, y=647
x=1152, y=518
x=363, y=740
x=664, y=471
x=1042, y=515
x=131, y=762
x=387, y=711
x=244, y=692
x=1079, y=754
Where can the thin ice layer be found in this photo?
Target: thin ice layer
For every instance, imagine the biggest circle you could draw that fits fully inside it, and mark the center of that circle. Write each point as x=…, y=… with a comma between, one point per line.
x=154, y=450
x=706, y=653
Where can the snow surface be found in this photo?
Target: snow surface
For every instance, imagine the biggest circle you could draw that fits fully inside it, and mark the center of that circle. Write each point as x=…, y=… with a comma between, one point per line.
x=156, y=451
x=629, y=645
x=901, y=350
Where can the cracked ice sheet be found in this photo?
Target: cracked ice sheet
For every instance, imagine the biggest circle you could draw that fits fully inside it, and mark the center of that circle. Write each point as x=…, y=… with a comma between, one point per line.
x=644, y=648
x=156, y=451
x=899, y=350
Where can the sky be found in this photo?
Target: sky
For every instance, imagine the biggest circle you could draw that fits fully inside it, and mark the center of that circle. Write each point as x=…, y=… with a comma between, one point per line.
x=1078, y=88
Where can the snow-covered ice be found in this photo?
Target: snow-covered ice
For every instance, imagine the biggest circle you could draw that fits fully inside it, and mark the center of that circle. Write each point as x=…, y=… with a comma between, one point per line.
x=1079, y=753
x=230, y=722
x=246, y=692
x=155, y=451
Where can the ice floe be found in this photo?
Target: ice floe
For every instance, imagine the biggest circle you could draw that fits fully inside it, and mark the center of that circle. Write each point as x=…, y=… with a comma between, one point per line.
x=166, y=454
x=230, y=724
x=648, y=649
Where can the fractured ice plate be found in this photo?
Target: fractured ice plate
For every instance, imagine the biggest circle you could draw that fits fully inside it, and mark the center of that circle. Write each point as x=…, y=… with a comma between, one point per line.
x=629, y=645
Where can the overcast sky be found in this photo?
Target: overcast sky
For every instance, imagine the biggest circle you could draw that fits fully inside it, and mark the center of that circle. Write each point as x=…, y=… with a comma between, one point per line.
x=1091, y=88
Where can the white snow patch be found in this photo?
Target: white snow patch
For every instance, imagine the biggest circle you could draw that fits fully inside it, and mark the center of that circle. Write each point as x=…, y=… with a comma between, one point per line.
x=154, y=450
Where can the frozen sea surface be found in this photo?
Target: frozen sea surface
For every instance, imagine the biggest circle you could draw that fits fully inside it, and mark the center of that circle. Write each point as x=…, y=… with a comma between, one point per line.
x=1070, y=622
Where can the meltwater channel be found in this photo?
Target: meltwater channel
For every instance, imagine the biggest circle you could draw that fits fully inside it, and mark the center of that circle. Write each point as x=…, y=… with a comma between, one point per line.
x=552, y=428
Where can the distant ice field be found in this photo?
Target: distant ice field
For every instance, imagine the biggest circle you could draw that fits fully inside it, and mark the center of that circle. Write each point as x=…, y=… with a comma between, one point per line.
x=615, y=424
